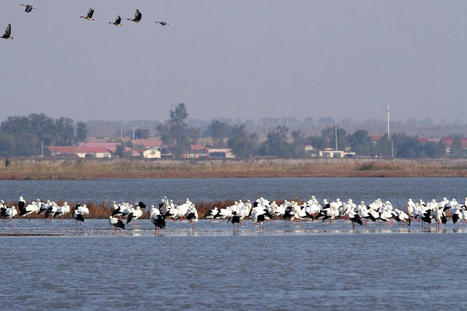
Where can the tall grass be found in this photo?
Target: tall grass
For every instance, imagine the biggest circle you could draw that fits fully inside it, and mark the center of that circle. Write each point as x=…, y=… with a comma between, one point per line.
x=122, y=168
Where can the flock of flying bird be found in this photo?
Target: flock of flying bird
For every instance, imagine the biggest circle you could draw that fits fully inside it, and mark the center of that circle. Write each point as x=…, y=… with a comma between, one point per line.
x=89, y=16
x=259, y=212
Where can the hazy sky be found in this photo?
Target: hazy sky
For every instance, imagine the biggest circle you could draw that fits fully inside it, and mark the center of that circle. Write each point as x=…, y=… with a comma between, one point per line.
x=237, y=58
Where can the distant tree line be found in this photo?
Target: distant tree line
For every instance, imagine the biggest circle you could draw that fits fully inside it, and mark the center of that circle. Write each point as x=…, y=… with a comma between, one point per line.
x=282, y=143
x=26, y=135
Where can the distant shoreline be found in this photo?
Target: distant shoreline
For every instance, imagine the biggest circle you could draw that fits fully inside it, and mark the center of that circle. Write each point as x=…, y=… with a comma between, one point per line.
x=91, y=169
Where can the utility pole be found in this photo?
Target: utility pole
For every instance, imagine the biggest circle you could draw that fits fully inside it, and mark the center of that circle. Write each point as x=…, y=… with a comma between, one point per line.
x=133, y=140
x=335, y=135
x=388, y=132
x=42, y=148
x=387, y=121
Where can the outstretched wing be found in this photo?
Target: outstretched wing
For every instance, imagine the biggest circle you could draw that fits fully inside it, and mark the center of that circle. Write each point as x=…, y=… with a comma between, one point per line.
x=8, y=30
x=90, y=12
x=118, y=20
x=138, y=15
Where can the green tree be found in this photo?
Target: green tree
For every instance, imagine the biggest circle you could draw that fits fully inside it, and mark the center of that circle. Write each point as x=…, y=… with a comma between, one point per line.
x=64, y=132
x=175, y=132
x=81, y=132
x=360, y=142
x=141, y=133
x=242, y=143
x=218, y=131
x=298, y=144
x=276, y=144
x=318, y=142
x=456, y=149
x=329, y=134
x=383, y=147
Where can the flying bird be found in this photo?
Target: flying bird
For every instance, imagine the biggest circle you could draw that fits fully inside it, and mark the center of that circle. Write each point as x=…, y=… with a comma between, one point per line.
x=28, y=7
x=117, y=22
x=89, y=15
x=7, y=34
x=162, y=23
x=137, y=17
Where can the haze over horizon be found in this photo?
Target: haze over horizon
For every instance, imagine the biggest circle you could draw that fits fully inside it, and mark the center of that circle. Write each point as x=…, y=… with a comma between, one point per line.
x=236, y=59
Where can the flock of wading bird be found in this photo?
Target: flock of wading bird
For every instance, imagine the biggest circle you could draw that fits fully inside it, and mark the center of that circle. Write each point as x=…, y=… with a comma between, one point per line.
x=259, y=212
x=89, y=17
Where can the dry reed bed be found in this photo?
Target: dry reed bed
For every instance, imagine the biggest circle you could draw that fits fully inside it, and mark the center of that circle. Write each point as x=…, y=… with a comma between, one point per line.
x=22, y=169
x=102, y=210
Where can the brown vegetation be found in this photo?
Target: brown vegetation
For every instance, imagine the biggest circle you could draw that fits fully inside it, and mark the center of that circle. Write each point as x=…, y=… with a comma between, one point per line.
x=22, y=169
x=102, y=210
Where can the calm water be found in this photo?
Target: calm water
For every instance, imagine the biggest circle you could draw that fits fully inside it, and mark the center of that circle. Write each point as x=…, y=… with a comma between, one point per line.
x=327, y=271
x=397, y=190
x=285, y=267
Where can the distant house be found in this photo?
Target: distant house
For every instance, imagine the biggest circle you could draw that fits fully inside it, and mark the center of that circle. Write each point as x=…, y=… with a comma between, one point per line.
x=447, y=141
x=310, y=151
x=336, y=154
x=220, y=153
x=375, y=138
x=81, y=152
x=151, y=153
x=196, y=152
x=149, y=143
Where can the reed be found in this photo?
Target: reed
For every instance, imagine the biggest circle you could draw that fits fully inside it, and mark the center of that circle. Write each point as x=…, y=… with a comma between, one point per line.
x=102, y=210
x=23, y=169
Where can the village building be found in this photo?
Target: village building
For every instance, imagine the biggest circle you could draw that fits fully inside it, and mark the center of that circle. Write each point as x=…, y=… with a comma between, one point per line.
x=81, y=152
x=220, y=153
x=336, y=154
x=151, y=153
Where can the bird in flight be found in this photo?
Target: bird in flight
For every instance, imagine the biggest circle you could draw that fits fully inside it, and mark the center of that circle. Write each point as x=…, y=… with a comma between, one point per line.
x=28, y=7
x=162, y=23
x=89, y=15
x=117, y=22
x=137, y=17
x=7, y=34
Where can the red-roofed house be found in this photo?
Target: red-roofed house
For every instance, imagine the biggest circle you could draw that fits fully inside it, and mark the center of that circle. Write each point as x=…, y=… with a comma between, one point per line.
x=110, y=146
x=375, y=138
x=149, y=143
x=82, y=152
x=196, y=152
x=447, y=141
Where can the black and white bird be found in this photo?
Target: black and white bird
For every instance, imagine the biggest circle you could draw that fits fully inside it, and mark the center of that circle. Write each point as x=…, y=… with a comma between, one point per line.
x=28, y=210
x=117, y=22
x=89, y=15
x=7, y=34
x=192, y=216
x=157, y=220
x=116, y=223
x=136, y=212
x=28, y=8
x=212, y=213
x=80, y=211
x=162, y=23
x=137, y=17
x=62, y=210
x=21, y=204
x=10, y=212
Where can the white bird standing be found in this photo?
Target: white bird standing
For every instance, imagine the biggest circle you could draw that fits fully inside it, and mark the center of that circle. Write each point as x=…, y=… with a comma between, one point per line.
x=157, y=219
x=116, y=223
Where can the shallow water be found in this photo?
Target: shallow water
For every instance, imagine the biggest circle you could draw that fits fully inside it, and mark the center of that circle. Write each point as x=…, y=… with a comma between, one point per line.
x=284, y=267
x=58, y=265
x=397, y=190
